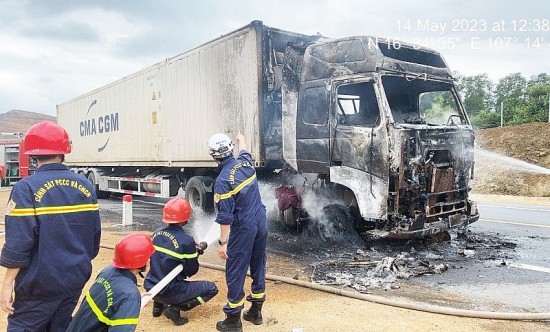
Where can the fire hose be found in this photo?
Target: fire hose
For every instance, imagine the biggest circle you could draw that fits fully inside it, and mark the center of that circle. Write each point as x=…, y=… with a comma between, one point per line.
x=145, y=298
x=374, y=298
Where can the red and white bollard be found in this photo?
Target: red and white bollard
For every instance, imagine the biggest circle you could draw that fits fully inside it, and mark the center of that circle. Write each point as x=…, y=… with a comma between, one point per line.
x=126, y=210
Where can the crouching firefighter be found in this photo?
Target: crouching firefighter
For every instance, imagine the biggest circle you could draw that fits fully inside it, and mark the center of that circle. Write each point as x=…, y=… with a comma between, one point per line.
x=243, y=230
x=173, y=247
x=113, y=302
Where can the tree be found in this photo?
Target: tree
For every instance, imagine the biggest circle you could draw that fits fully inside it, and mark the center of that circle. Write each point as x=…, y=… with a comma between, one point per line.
x=477, y=93
x=542, y=78
x=536, y=107
x=485, y=119
x=524, y=100
x=510, y=91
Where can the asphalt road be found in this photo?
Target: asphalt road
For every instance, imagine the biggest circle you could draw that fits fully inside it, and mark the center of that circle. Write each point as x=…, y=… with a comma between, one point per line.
x=529, y=225
x=519, y=281
x=511, y=270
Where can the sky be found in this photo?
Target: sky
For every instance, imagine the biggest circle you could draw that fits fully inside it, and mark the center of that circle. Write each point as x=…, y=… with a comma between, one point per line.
x=53, y=51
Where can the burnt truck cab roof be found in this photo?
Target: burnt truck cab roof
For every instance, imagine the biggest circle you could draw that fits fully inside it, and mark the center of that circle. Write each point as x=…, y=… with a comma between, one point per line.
x=364, y=54
x=409, y=73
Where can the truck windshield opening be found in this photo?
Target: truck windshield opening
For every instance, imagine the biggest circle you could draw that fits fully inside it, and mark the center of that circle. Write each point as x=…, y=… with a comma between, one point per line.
x=422, y=101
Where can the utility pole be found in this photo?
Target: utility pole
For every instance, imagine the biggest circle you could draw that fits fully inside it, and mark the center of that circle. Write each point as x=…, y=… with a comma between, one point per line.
x=548, y=108
x=501, y=113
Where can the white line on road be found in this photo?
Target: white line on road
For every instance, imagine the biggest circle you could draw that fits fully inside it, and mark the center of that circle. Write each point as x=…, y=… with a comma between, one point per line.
x=513, y=207
x=147, y=202
x=514, y=223
x=530, y=267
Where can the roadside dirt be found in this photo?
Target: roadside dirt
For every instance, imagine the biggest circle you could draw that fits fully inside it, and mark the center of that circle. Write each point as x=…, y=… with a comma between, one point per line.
x=529, y=142
x=496, y=174
x=291, y=307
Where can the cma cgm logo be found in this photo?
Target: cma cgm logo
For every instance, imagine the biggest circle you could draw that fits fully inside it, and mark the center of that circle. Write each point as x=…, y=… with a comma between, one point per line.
x=103, y=124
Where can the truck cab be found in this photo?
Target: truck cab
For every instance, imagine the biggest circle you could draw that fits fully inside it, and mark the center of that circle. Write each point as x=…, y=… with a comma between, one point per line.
x=382, y=123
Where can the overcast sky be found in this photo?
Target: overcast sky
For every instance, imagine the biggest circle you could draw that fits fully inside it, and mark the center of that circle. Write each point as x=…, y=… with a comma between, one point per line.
x=52, y=51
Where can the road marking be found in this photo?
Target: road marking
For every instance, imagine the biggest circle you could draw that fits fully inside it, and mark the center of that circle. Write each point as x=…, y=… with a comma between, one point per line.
x=514, y=223
x=514, y=208
x=147, y=202
x=530, y=267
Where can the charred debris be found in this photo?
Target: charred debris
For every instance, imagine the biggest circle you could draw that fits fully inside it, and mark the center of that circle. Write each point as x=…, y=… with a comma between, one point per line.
x=387, y=263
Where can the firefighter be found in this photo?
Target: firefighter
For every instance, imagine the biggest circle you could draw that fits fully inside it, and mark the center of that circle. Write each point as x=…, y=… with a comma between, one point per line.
x=53, y=231
x=113, y=301
x=243, y=230
x=173, y=247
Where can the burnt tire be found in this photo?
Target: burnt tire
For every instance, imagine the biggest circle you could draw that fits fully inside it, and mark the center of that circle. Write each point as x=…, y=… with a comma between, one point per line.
x=196, y=194
x=99, y=193
x=335, y=224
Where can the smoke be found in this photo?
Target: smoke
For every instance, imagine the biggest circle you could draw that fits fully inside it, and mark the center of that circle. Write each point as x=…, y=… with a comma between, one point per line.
x=327, y=216
x=267, y=192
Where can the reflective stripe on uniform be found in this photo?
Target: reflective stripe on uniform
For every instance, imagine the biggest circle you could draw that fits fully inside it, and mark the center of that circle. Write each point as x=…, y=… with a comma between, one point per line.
x=200, y=300
x=106, y=320
x=235, y=305
x=25, y=212
x=238, y=188
x=257, y=296
x=175, y=254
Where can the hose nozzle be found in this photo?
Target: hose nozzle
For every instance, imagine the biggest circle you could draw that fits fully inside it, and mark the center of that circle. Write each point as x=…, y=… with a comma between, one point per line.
x=201, y=247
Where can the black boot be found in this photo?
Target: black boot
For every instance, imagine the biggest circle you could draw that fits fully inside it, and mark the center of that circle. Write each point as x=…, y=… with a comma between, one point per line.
x=187, y=305
x=174, y=315
x=232, y=323
x=157, y=308
x=254, y=314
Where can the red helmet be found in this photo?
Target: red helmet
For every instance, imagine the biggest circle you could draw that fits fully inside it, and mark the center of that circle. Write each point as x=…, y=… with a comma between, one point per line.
x=47, y=138
x=176, y=211
x=133, y=251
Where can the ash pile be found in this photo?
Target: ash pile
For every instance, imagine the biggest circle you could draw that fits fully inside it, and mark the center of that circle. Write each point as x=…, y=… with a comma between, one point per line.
x=385, y=264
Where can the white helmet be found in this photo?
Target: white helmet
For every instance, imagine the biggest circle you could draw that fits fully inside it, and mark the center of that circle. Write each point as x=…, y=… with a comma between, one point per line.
x=220, y=146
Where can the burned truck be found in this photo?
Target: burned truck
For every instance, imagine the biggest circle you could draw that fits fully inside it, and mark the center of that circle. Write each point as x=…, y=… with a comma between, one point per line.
x=377, y=123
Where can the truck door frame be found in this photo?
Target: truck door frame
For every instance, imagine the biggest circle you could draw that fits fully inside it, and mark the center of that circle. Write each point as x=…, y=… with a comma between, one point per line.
x=359, y=154
x=313, y=127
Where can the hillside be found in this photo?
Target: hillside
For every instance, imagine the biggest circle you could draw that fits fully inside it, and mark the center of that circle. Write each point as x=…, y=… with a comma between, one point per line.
x=528, y=174
x=17, y=121
x=528, y=142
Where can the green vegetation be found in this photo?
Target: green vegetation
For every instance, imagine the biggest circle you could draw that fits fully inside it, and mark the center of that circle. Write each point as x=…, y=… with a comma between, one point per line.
x=523, y=100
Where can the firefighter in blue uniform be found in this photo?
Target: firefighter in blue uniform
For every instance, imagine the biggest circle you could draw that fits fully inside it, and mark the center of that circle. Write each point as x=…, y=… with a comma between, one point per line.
x=243, y=230
x=173, y=247
x=53, y=232
x=113, y=301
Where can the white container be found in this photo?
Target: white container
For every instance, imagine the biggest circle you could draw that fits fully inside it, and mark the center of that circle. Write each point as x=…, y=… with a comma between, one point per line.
x=163, y=115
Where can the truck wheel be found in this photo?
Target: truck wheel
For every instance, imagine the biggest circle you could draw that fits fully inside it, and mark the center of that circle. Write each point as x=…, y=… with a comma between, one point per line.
x=336, y=223
x=196, y=194
x=99, y=193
